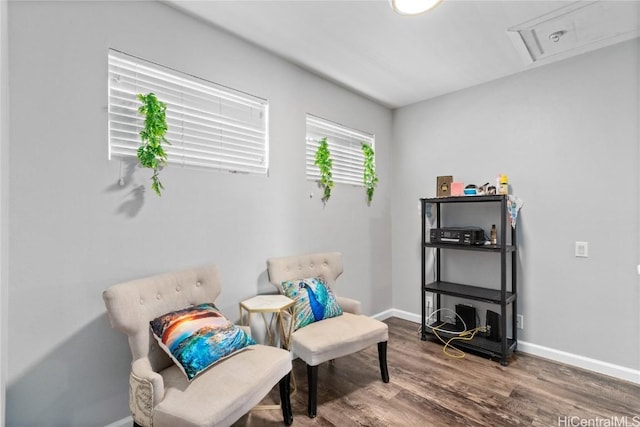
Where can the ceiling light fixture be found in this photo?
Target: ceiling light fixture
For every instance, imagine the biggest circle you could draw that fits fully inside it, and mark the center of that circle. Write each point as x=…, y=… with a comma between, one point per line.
x=413, y=7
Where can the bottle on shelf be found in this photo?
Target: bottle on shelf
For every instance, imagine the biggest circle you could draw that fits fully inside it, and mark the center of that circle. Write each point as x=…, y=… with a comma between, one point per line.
x=494, y=235
x=504, y=185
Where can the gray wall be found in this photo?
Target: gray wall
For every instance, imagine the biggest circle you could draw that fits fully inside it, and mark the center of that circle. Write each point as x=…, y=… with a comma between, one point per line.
x=4, y=194
x=74, y=231
x=566, y=134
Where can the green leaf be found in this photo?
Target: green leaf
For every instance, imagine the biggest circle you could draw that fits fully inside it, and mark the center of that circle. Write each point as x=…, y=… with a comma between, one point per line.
x=151, y=153
x=325, y=164
x=369, y=177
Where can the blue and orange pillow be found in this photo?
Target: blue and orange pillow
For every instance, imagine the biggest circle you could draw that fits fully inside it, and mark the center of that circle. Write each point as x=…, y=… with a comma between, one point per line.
x=198, y=337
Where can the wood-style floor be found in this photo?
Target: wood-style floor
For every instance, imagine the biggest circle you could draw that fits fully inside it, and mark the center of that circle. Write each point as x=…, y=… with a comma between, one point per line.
x=428, y=388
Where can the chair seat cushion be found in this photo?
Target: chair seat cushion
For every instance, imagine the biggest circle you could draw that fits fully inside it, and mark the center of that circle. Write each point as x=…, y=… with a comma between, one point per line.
x=336, y=337
x=223, y=393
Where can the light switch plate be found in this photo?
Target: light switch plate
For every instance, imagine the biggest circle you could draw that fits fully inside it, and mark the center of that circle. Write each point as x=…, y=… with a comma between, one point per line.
x=582, y=249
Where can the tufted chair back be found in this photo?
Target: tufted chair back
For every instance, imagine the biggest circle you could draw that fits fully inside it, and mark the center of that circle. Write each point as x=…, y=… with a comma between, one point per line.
x=333, y=337
x=132, y=305
x=327, y=265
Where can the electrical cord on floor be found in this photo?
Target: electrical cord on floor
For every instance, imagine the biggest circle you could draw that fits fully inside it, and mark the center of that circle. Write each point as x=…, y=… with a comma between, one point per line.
x=465, y=335
x=455, y=352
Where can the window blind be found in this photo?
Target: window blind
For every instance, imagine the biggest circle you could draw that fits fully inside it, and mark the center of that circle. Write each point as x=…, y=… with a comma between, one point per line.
x=345, y=145
x=209, y=125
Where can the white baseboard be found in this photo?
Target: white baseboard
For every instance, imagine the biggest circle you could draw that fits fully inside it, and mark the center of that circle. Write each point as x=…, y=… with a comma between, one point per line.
x=405, y=315
x=605, y=368
x=384, y=315
x=127, y=421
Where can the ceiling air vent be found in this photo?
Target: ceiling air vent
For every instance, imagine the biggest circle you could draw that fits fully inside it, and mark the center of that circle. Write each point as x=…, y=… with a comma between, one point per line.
x=576, y=28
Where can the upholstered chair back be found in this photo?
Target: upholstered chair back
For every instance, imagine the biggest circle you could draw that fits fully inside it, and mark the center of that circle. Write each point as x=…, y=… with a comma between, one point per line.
x=327, y=266
x=132, y=305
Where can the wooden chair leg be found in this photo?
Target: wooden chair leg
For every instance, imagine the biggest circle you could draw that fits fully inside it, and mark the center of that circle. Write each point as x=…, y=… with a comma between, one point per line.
x=382, y=357
x=285, y=399
x=312, y=381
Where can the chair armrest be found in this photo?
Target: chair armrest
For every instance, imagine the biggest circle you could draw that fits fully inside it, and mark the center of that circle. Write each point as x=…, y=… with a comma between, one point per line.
x=146, y=390
x=349, y=305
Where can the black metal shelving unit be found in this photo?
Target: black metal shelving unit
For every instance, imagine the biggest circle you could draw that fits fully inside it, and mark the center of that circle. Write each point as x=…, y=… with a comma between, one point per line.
x=505, y=297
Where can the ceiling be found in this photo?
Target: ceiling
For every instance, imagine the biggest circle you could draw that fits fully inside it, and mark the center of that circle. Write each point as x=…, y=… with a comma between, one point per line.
x=399, y=60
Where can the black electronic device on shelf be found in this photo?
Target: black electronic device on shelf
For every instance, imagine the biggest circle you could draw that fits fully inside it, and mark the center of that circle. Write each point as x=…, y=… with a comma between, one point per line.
x=493, y=326
x=457, y=235
x=465, y=317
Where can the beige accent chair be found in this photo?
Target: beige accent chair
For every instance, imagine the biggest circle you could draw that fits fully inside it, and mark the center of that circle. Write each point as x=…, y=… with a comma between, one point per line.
x=159, y=393
x=330, y=338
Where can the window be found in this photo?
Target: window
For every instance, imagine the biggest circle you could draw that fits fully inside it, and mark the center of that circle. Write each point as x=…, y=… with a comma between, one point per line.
x=209, y=125
x=345, y=145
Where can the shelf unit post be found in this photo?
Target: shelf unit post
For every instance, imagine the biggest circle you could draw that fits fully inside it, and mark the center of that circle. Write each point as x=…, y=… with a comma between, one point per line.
x=503, y=278
x=438, y=259
x=423, y=328
x=514, y=283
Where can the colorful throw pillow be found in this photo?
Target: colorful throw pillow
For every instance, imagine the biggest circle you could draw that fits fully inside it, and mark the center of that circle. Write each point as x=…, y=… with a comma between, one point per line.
x=314, y=301
x=197, y=337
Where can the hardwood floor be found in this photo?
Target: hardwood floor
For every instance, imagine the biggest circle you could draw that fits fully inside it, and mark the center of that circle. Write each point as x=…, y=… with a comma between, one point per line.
x=428, y=388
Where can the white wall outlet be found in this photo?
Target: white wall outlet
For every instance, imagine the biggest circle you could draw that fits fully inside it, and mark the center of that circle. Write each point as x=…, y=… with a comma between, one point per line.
x=582, y=249
x=519, y=321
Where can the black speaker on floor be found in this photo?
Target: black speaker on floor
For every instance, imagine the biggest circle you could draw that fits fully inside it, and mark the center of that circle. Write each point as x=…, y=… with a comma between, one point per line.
x=468, y=314
x=493, y=326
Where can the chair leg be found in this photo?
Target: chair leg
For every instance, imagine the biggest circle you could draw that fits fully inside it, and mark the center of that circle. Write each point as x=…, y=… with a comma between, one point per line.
x=312, y=381
x=285, y=399
x=382, y=357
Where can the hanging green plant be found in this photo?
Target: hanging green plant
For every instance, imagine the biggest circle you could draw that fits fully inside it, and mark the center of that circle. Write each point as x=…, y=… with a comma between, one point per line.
x=369, y=176
x=151, y=153
x=325, y=164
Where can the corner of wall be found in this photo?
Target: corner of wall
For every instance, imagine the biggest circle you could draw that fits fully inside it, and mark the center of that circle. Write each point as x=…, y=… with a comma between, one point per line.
x=4, y=143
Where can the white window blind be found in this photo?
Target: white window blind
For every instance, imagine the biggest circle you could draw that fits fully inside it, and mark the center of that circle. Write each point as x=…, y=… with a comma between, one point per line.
x=345, y=145
x=209, y=125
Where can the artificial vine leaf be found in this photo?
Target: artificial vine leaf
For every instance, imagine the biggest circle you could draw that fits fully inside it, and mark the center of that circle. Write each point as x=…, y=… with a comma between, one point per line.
x=151, y=153
x=369, y=177
x=325, y=164
x=156, y=185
